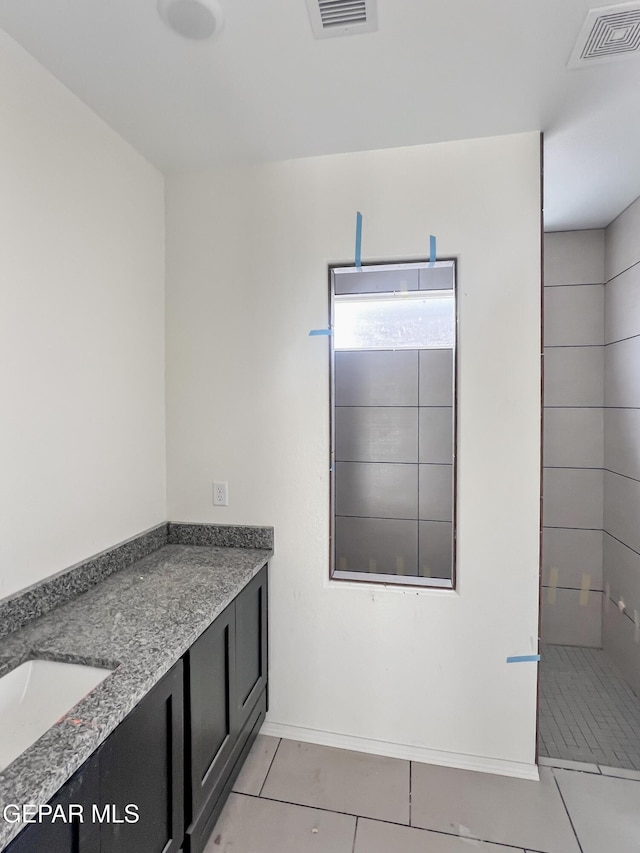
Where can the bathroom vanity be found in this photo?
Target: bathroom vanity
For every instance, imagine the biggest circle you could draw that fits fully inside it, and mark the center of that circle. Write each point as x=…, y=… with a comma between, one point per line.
x=145, y=761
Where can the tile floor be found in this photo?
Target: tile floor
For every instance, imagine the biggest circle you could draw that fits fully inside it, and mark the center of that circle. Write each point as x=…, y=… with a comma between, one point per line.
x=588, y=712
x=296, y=797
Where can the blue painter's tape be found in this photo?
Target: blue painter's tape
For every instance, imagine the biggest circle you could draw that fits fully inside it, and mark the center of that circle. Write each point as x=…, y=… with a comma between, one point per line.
x=523, y=659
x=358, y=239
x=432, y=249
x=314, y=332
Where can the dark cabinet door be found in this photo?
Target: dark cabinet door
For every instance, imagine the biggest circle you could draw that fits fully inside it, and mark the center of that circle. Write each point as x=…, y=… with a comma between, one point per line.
x=70, y=828
x=251, y=645
x=142, y=774
x=210, y=707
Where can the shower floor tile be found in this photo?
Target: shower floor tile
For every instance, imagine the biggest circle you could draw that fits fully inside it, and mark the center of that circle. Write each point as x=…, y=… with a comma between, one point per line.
x=588, y=712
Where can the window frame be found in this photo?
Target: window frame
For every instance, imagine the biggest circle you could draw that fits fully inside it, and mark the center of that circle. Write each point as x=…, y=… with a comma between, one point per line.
x=413, y=582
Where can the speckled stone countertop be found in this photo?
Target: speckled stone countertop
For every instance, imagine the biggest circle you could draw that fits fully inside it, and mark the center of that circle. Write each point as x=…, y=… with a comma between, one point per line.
x=139, y=621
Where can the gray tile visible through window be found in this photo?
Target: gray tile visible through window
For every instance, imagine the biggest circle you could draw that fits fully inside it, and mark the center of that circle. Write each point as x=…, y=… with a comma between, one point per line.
x=379, y=545
x=377, y=489
x=436, y=492
x=376, y=434
x=372, y=378
x=436, y=377
x=436, y=434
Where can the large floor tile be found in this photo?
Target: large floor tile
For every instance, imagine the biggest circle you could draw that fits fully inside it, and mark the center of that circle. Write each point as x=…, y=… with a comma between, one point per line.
x=518, y=812
x=376, y=837
x=252, y=825
x=341, y=780
x=605, y=811
x=256, y=767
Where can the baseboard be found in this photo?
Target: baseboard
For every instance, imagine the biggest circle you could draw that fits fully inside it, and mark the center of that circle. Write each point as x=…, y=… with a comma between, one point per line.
x=458, y=760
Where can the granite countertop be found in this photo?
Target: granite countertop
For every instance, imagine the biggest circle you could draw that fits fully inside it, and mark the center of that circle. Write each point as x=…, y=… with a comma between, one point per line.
x=139, y=621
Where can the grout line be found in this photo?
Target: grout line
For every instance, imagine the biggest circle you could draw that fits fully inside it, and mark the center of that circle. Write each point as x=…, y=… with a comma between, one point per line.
x=571, y=589
x=618, y=474
x=577, y=468
x=355, y=833
x=388, y=406
x=386, y=462
x=567, y=811
x=576, y=346
x=576, y=284
x=621, y=340
x=387, y=518
x=392, y=822
x=626, y=269
x=621, y=542
x=264, y=781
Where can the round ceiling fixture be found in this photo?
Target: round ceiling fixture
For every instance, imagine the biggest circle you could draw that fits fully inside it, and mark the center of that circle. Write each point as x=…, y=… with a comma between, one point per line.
x=192, y=19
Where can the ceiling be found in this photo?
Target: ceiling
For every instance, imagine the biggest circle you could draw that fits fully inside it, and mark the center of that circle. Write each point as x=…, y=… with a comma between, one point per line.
x=435, y=70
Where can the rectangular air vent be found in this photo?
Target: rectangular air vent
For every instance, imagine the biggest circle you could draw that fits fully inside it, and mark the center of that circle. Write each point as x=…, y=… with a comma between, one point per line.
x=608, y=33
x=342, y=17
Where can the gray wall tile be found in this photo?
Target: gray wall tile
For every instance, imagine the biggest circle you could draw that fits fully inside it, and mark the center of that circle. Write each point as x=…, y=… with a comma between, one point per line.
x=573, y=438
x=436, y=549
x=622, y=373
x=573, y=498
x=574, y=316
x=378, y=378
x=437, y=278
x=622, y=306
x=567, y=621
x=375, y=434
x=573, y=376
x=621, y=509
x=622, y=573
x=621, y=641
x=574, y=257
x=377, y=490
x=436, y=490
x=436, y=377
x=622, y=247
x=622, y=441
x=376, y=281
x=386, y=546
x=436, y=434
x=572, y=554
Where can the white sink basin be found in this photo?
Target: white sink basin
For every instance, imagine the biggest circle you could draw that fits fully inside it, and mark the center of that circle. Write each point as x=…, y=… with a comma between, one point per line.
x=34, y=696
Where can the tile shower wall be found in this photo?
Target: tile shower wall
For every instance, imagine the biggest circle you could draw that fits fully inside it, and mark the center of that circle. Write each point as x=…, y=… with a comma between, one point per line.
x=621, y=613
x=393, y=439
x=573, y=454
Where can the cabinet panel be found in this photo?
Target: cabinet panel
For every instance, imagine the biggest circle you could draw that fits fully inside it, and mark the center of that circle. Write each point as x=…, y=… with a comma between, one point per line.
x=199, y=832
x=142, y=764
x=251, y=645
x=60, y=836
x=211, y=680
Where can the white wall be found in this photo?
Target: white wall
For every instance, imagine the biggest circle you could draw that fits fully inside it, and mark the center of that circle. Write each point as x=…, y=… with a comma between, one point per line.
x=406, y=672
x=82, y=455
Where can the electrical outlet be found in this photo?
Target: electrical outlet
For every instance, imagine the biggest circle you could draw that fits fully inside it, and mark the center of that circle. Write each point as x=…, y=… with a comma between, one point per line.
x=221, y=494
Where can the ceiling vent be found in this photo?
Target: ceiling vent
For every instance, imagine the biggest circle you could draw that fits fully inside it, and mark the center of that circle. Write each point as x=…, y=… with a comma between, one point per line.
x=608, y=33
x=331, y=18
